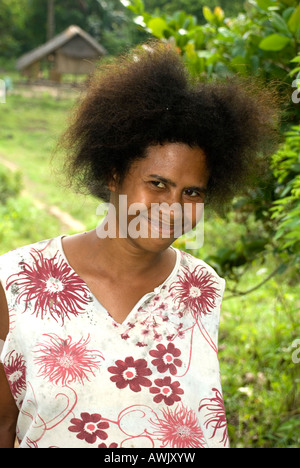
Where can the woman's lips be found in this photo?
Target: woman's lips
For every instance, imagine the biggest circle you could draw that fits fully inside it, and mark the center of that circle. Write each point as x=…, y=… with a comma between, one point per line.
x=159, y=226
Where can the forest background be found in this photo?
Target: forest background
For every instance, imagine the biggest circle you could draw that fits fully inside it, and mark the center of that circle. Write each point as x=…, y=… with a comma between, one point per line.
x=255, y=245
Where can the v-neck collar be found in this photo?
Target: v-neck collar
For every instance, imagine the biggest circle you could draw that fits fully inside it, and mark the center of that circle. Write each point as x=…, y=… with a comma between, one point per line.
x=157, y=290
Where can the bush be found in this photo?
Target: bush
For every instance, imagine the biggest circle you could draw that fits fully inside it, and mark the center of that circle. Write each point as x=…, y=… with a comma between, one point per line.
x=286, y=210
x=21, y=222
x=10, y=184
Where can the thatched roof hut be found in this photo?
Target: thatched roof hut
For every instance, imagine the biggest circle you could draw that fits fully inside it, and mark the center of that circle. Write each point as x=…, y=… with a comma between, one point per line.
x=73, y=51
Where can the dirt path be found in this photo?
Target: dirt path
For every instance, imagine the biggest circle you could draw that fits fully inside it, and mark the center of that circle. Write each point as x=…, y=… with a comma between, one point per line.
x=66, y=220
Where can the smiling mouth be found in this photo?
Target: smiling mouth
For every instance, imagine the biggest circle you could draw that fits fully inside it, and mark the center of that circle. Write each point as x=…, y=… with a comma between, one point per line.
x=158, y=226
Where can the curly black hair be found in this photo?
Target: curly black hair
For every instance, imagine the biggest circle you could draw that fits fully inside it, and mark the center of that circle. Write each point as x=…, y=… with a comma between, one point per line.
x=147, y=97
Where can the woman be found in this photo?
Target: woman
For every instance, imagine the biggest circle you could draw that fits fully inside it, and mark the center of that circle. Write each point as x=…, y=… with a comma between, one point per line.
x=111, y=339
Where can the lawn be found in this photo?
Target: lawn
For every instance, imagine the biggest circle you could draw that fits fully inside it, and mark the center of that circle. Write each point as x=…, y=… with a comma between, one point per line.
x=260, y=378
x=30, y=128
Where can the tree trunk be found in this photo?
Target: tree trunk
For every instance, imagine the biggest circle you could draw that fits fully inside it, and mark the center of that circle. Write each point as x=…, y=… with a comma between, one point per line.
x=50, y=19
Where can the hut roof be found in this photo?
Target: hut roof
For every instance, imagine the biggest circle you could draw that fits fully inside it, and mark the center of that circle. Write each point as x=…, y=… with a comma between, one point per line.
x=58, y=41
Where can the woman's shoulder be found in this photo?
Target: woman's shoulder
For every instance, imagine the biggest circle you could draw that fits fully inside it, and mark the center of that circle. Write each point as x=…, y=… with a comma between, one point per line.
x=191, y=263
x=11, y=260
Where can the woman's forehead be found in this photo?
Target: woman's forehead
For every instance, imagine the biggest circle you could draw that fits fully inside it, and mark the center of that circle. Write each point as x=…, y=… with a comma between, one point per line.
x=172, y=161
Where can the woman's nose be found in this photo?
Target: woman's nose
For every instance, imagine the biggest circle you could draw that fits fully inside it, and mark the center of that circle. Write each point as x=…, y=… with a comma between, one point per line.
x=170, y=205
x=172, y=196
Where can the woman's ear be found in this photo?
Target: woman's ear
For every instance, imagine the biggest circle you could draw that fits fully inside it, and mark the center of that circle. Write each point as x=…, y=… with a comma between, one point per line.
x=113, y=183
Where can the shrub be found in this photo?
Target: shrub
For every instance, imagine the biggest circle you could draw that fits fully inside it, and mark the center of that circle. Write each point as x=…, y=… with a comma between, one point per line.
x=10, y=184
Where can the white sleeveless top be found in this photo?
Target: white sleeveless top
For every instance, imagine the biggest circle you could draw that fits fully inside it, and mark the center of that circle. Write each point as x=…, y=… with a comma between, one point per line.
x=81, y=380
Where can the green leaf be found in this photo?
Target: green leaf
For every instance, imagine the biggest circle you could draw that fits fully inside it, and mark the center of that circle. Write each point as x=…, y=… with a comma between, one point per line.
x=294, y=21
x=198, y=37
x=137, y=6
x=289, y=2
x=293, y=72
x=157, y=26
x=239, y=63
x=274, y=42
x=219, y=14
x=208, y=14
x=179, y=18
x=279, y=23
x=265, y=4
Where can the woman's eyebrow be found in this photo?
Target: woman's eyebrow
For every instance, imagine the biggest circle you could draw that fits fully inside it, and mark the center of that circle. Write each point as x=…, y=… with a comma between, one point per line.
x=173, y=184
x=163, y=179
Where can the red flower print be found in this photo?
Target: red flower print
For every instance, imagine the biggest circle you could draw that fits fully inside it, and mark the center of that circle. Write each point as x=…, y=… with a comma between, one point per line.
x=89, y=427
x=15, y=370
x=167, y=391
x=31, y=444
x=196, y=290
x=216, y=415
x=62, y=360
x=51, y=286
x=132, y=373
x=166, y=358
x=179, y=429
x=112, y=445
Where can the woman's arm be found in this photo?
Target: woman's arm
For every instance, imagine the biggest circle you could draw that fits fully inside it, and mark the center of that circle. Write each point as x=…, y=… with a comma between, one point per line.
x=8, y=413
x=8, y=408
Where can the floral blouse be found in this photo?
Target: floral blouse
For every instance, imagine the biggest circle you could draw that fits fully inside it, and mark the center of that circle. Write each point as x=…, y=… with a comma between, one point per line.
x=81, y=380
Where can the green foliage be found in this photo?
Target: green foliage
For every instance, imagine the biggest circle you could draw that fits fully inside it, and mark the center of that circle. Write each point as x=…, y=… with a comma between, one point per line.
x=23, y=23
x=260, y=379
x=10, y=184
x=295, y=72
x=286, y=210
x=12, y=24
x=194, y=7
x=20, y=221
x=261, y=40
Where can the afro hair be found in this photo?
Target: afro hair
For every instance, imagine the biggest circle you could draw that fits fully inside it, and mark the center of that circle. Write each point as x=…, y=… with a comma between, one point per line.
x=147, y=97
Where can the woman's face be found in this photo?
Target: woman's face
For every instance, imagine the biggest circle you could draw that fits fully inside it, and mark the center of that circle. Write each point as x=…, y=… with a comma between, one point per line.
x=170, y=184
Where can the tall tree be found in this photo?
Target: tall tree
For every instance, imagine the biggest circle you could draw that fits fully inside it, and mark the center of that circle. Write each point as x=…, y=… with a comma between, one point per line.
x=106, y=20
x=12, y=25
x=50, y=20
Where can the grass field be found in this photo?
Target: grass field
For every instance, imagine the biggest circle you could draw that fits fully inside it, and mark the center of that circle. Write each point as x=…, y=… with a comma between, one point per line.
x=261, y=379
x=29, y=131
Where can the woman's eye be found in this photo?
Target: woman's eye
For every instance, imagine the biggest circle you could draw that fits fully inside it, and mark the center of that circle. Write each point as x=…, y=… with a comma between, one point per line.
x=192, y=193
x=158, y=184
